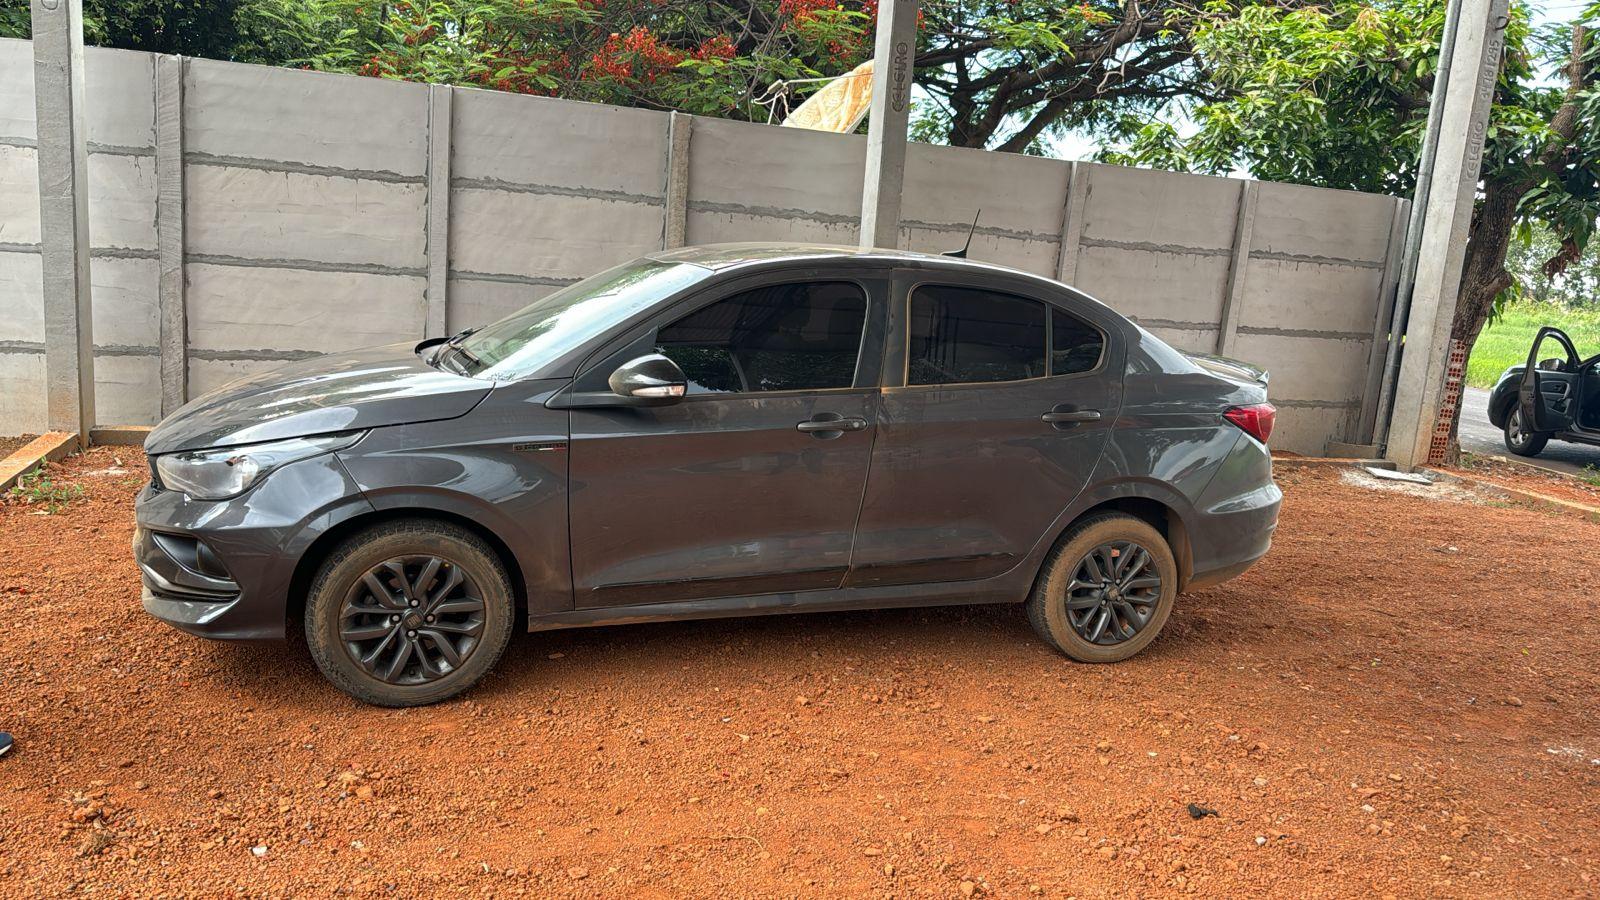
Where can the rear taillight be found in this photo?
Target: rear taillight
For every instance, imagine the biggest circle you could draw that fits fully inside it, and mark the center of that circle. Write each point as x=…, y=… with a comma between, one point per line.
x=1256, y=419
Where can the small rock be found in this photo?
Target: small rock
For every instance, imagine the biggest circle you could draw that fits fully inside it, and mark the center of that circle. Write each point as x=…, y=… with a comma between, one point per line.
x=259, y=850
x=872, y=851
x=1261, y=839
x=1513, y=701
x=1107, y=852
x=577, y=873
x=968, y=888
x=802, y=701
x=1196, y=811
x=1044, y=828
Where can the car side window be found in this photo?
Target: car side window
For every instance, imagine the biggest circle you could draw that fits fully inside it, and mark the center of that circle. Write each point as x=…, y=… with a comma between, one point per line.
x=782, y=337
x=1075, y=345
x=960, y=335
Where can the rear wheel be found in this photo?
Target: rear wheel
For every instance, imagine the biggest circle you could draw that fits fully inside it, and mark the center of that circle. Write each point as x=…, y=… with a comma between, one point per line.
x=409, y=613
x=1519, y=439
x=1106, y=589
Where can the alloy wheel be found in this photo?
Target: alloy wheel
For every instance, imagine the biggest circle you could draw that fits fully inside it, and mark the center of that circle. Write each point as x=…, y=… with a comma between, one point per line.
x=1114, y=593
x=412, y=619
x=1514, y=428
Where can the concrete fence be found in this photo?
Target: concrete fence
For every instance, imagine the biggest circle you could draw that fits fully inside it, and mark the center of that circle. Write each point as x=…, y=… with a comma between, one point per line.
x=241, y=216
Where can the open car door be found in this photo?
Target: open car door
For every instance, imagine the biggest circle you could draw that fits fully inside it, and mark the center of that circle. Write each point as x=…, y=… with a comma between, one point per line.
x=1548, y=395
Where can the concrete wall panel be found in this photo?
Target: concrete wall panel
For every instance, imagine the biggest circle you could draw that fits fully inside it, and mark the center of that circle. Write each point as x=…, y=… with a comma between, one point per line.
x=1306, y=430
x=207, y=375
x=1193, y=340
x=120, y=89
x=252, y=214
x=343, y=121
x=122, y=201
x=22, y=409
x=21, y=299
x=1308, y=368
x=1313, y=296
x=122, y=394
x=1178, y=287
x=19, y=195
x=1161, y=208
x=547, y=235
x=239, y=308
x=474, y=303
x=949, y=185
x=720, y=226
x=767, y=167
x=16, y=90
x=538, y=140
x=125, y=304
x=1036, y=256
x=1308, y=221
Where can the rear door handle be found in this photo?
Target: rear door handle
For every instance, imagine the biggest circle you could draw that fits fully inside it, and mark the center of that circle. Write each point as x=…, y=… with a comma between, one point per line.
x=1070, y=416
x=824, y=423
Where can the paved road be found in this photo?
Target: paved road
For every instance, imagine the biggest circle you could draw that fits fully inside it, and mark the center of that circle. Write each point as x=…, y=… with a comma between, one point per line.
x=1478, y=436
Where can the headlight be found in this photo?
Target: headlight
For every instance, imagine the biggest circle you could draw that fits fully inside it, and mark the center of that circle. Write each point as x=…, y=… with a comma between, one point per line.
x=224, y=472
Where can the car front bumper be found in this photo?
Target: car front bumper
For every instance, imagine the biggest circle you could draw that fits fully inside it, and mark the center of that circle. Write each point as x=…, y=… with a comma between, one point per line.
x=224, y=569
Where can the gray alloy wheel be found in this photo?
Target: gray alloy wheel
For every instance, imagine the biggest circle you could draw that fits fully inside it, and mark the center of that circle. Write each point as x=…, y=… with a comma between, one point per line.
x=1519, y=439
x=409, y=613
x=1106, y=589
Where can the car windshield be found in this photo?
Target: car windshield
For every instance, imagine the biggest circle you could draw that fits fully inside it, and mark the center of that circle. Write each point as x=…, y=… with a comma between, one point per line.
x=547, y=328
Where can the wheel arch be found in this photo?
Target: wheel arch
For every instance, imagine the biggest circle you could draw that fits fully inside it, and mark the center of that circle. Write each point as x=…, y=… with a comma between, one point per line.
x=1159, y=515
x=310, y=561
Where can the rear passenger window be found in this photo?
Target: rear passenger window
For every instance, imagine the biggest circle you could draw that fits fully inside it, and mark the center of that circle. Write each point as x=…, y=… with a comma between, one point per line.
x=963, y=335
x=1075, y=345
x=784, y=337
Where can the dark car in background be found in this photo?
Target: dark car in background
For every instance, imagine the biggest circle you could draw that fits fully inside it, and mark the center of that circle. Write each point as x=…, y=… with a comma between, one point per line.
x=715, y=431
x=1557, y=397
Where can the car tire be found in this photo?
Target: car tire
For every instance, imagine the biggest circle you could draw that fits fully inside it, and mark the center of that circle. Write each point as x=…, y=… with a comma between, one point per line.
x=450, y=622
x=1142, y=609
x=1519, y=440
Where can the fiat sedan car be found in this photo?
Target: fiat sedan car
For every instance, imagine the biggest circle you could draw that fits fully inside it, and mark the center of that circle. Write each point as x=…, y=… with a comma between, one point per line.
x=716, y=431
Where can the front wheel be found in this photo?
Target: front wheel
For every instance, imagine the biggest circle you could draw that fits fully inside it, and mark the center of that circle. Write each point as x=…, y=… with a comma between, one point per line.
x=1106, y=589
x=1520, y=439
x=409, y=613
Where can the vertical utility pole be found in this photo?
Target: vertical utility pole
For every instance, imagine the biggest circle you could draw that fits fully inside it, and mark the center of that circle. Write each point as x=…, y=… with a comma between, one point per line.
x=63, y=160
x=893, y=62
x=1441, y=249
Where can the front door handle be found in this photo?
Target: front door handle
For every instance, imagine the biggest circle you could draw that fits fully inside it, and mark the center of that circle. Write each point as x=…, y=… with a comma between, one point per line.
x=1059, y=417
x=830, y=425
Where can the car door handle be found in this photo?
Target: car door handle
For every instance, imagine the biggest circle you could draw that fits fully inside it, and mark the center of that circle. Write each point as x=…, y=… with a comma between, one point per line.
x=1070, y=416
x=829, y=422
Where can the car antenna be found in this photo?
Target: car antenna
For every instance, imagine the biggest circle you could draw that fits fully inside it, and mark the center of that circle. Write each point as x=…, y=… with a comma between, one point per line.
x=962, y=253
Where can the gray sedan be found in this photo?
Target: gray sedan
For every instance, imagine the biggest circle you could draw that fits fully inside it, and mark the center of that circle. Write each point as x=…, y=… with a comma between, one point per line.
x=716, y=431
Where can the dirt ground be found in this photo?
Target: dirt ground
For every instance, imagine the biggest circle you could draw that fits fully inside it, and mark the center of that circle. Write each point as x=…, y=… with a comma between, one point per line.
x=1502, y=471
x=1401, y=699
x=10, y=444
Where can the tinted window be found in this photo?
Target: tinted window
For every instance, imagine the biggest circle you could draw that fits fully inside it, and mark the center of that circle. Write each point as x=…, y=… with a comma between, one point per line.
x=1075, y=345
x=786, y=337
x=962, y=335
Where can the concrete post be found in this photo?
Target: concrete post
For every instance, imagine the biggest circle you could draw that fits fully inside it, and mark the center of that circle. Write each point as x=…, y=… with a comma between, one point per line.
x=1388, y=293
x=174, y=344
x=439, y=121
x=1072, y=222
x=680, y=127
x=894, y=61
x=1244, y=227
x=1419, y=391
x=63, y=160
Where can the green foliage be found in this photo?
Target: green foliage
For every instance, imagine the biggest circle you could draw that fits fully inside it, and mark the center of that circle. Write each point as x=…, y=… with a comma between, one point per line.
x=190, y=27
x=1505, y=342
x=37, y=488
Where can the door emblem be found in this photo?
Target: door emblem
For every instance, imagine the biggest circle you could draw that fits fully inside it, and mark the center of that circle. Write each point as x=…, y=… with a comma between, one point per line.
x=539, y=447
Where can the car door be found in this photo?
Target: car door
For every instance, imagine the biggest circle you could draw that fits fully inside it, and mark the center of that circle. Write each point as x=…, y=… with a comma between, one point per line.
x=995, y=409
x=751, y=483
x=1548, y=394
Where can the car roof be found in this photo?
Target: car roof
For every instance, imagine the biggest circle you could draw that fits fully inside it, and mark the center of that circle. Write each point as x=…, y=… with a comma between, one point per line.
x=718, y=257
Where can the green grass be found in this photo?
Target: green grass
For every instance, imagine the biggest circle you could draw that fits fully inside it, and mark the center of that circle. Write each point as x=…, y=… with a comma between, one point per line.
x=1506, y=342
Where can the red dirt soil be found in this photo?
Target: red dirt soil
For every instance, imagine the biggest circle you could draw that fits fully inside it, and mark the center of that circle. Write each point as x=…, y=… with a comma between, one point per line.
x=1530, y=478
x=1401, y=699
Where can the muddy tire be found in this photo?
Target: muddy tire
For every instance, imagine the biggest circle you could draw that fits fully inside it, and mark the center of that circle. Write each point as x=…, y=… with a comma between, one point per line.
x=409, y=613
x=1106, y=589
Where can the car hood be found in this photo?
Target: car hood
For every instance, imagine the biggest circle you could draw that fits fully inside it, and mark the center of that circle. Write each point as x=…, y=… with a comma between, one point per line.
x=389, y=385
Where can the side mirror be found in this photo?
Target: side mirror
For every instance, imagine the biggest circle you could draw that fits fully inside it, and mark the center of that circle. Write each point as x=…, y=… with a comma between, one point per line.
x=651, y=380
